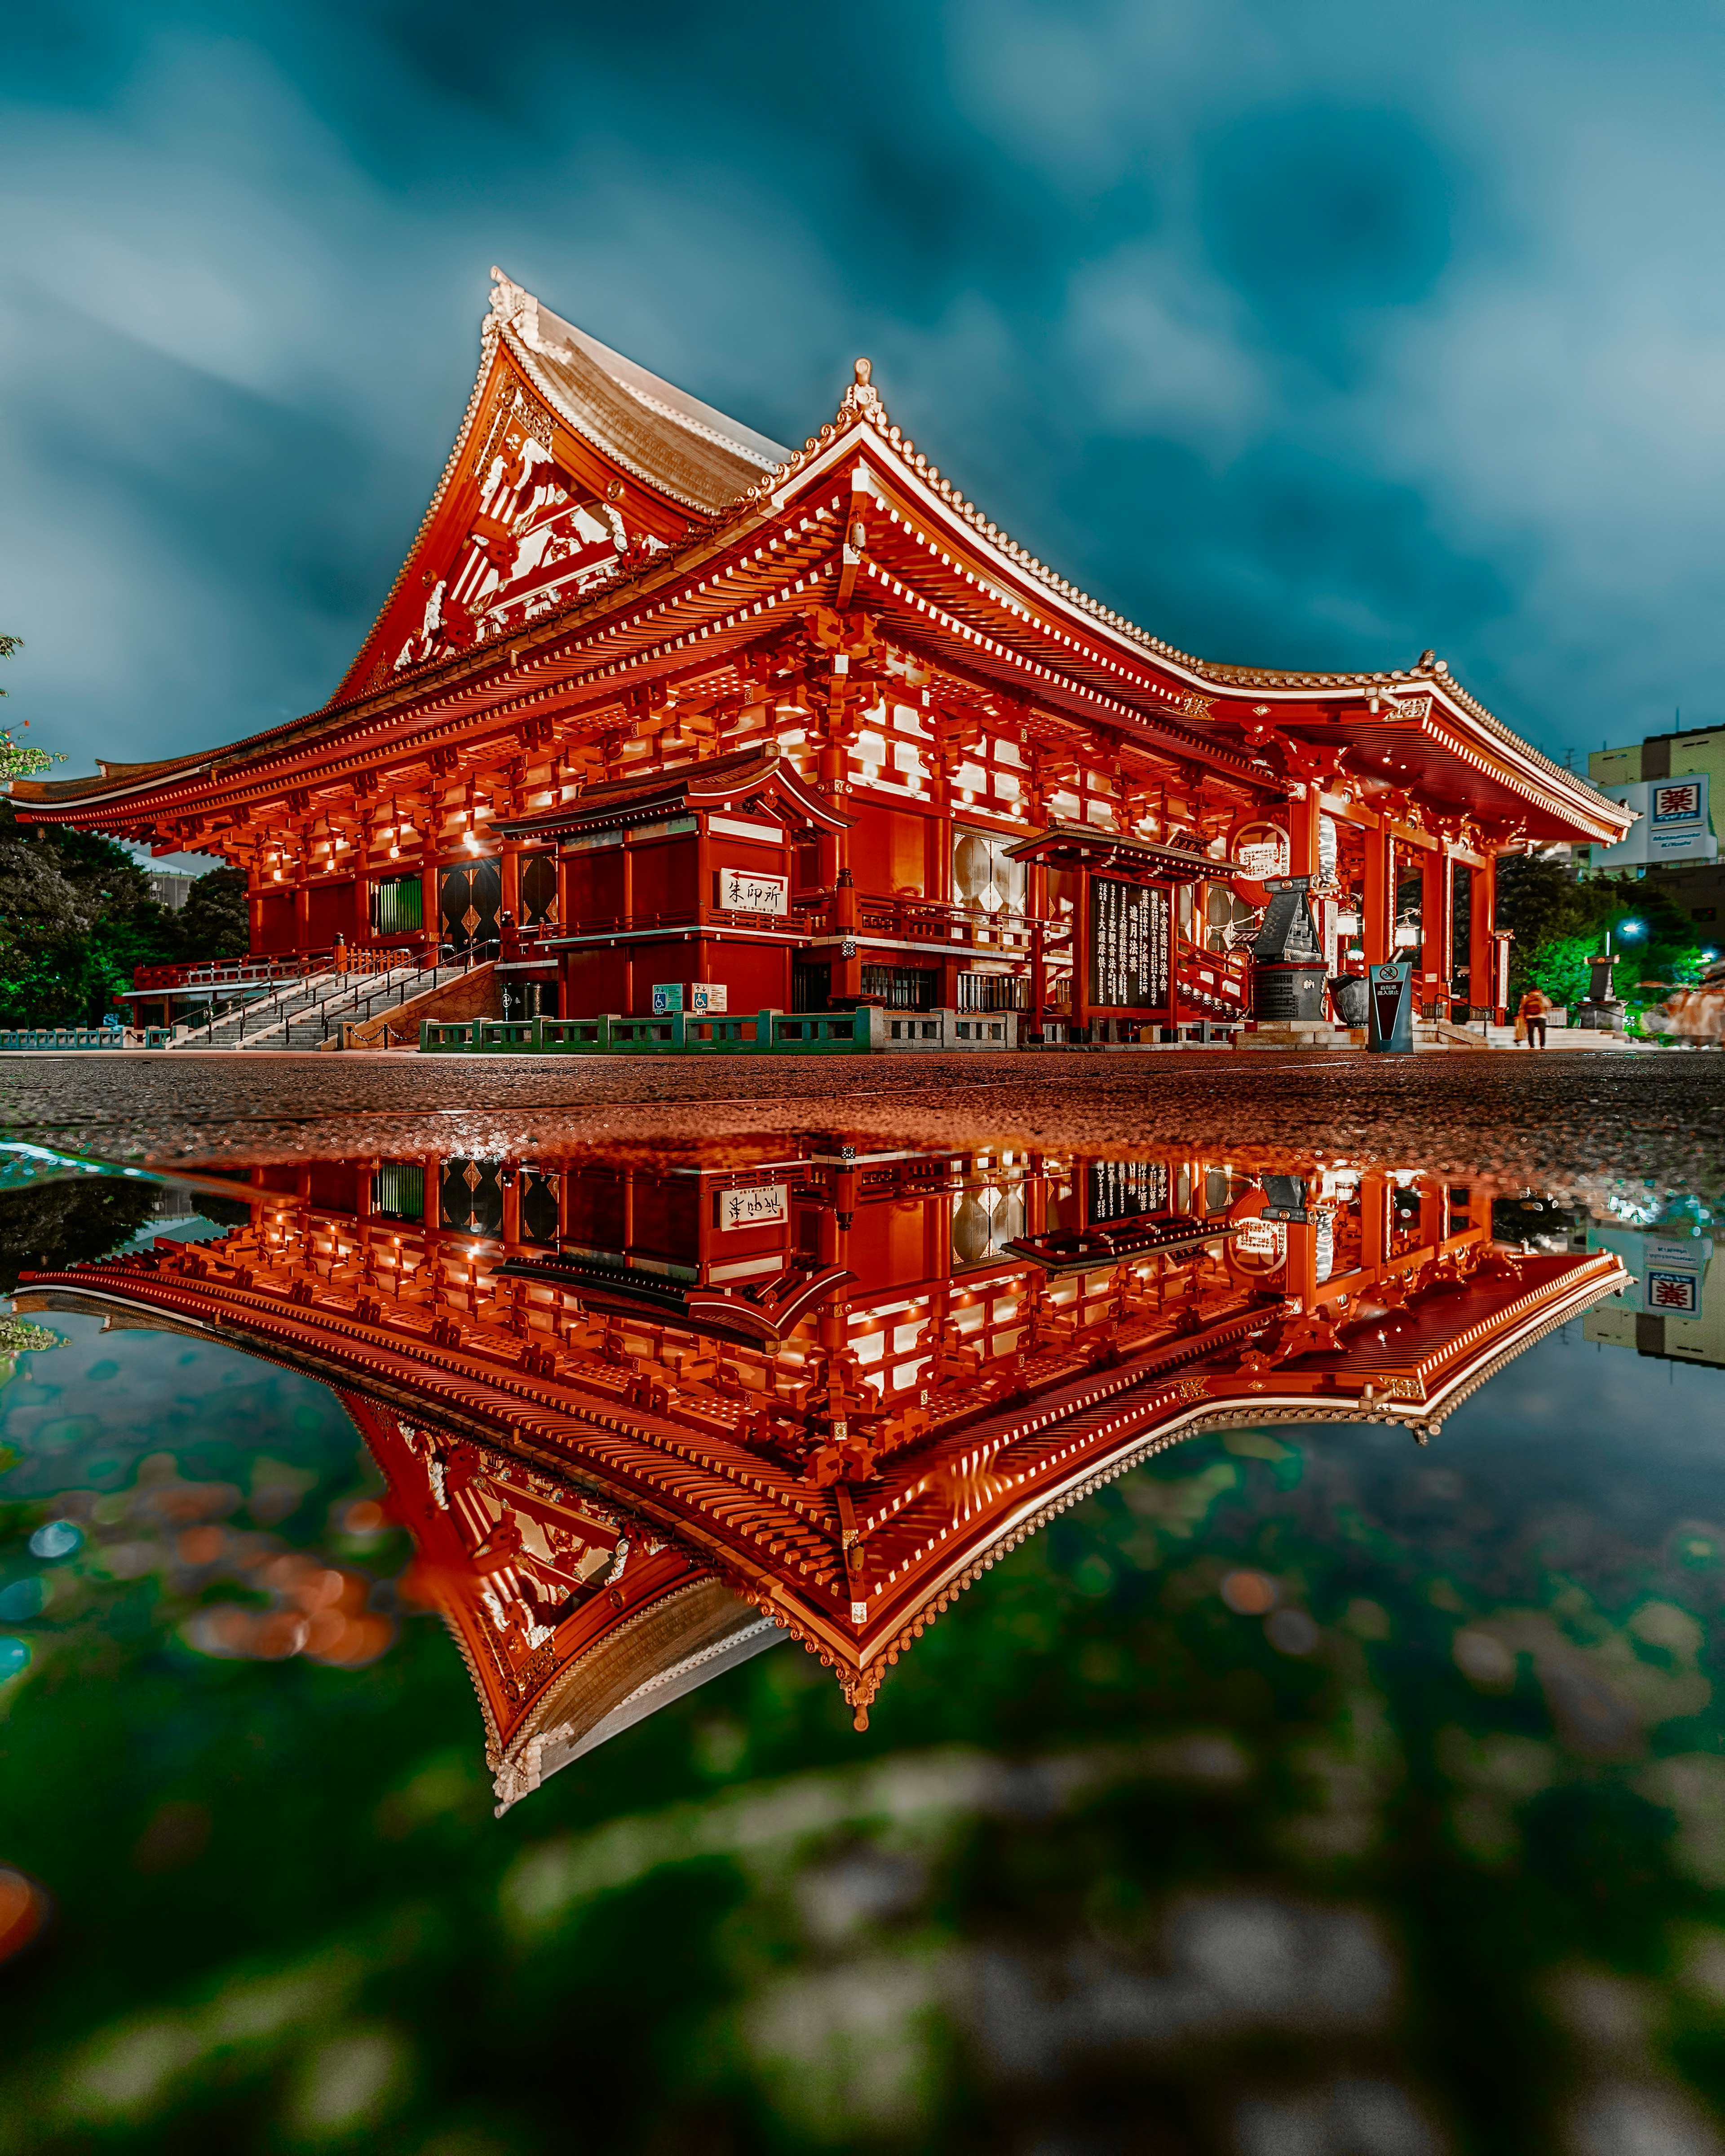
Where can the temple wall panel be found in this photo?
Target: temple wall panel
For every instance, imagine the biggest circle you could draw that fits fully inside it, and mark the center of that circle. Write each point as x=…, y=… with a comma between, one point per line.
x=887, y=1244
x=277, y=930
x=594, y=887
x=756, y=975
x=665, y=1219
x=332, y=910
x=889, y=850
x=337, y=1186
x=595, y=979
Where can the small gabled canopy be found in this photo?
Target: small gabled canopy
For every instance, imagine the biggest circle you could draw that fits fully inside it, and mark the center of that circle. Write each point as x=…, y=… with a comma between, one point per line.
x=1118, y=853
x=1117, y=1242
x=747, y=776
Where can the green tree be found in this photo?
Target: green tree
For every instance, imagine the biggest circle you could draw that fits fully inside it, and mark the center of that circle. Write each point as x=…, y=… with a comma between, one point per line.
x=77, y=915
x=1560, y=924
x=214, y=922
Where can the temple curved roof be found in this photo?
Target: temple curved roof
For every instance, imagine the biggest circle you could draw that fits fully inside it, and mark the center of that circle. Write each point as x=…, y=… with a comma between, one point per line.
x=707, y=481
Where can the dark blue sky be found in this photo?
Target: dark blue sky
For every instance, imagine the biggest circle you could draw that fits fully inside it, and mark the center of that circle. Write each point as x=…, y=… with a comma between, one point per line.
x=1306, y=335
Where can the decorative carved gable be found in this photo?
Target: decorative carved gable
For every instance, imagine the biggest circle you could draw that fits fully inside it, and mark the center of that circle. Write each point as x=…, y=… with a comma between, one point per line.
x=532, y=537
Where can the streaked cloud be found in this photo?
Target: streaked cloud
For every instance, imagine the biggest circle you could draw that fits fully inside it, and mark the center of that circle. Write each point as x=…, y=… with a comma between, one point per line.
x=1310, y=337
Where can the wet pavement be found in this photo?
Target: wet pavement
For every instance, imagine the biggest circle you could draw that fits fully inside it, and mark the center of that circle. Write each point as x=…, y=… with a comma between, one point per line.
x=1569, y=1122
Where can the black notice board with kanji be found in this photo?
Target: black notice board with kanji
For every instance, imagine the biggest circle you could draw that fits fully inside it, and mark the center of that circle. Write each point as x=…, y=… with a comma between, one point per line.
x=1128, y=946
x=1121, y=1189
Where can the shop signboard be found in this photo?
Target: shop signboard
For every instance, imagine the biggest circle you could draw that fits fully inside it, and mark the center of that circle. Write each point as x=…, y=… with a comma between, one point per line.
x=1674, y=823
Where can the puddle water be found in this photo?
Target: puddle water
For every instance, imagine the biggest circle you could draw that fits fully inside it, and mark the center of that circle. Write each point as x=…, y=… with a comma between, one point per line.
x=807, y=1642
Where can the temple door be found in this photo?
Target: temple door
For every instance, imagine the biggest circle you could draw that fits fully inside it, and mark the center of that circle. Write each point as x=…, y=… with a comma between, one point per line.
x=468, y=900
x=470, y=1197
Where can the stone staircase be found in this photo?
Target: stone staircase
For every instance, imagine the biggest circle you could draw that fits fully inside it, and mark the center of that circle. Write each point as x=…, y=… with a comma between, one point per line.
x=255, y=1021
x=321, y=1025
x=302, y=1014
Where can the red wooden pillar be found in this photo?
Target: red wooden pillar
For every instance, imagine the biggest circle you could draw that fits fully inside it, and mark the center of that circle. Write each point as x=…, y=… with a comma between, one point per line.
x=629, y=916
x=430, y=926
x=302, y=915
x=1437, y=894
x=1374, y=1192
x=1377, y=900
x=1035, y=1196
x=1081, y=956
x=1481, y=948
x=1303, y=834
x=1299, y=1277
x=847, y=972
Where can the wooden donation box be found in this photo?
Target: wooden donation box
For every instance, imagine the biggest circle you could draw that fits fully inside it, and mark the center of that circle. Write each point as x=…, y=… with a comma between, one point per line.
x=683, y=891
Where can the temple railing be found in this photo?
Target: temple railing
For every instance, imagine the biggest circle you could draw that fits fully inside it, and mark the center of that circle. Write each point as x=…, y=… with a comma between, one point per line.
x=225, y=972
x=1003, y=933
x=350, y=961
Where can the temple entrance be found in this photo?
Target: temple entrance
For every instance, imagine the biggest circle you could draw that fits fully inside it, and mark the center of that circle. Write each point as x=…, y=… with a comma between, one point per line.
x=529, y=998
x=1410, y=914
x=467, y=902
x=811, y=985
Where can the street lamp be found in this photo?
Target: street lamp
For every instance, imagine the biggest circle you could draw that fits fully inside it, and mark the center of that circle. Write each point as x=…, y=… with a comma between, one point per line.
x=1629, y=930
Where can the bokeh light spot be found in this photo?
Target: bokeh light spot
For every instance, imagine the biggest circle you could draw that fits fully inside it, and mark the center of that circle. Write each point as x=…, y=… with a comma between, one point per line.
x=1249, y=1593
x=57, y=1538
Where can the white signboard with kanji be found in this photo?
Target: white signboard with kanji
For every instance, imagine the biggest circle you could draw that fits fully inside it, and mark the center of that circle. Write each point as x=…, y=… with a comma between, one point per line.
x=760, y=1205
x=747, y=891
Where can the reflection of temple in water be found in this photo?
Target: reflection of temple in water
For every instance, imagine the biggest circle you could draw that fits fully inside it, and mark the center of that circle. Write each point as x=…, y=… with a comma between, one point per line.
x=639, y=1420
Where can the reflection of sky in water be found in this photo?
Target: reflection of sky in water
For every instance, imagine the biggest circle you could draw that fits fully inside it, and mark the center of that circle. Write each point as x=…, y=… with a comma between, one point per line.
x=1432, y=1868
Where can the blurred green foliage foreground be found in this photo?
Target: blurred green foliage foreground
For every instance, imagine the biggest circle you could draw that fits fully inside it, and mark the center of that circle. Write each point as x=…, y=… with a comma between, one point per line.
x=1282, y=1799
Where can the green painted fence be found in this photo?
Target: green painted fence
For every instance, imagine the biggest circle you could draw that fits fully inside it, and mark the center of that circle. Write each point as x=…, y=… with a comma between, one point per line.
x=843, y=1032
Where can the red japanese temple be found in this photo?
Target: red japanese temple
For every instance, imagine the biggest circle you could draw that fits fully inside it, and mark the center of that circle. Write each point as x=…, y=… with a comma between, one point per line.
x=655, y=704
x=642, y=1423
